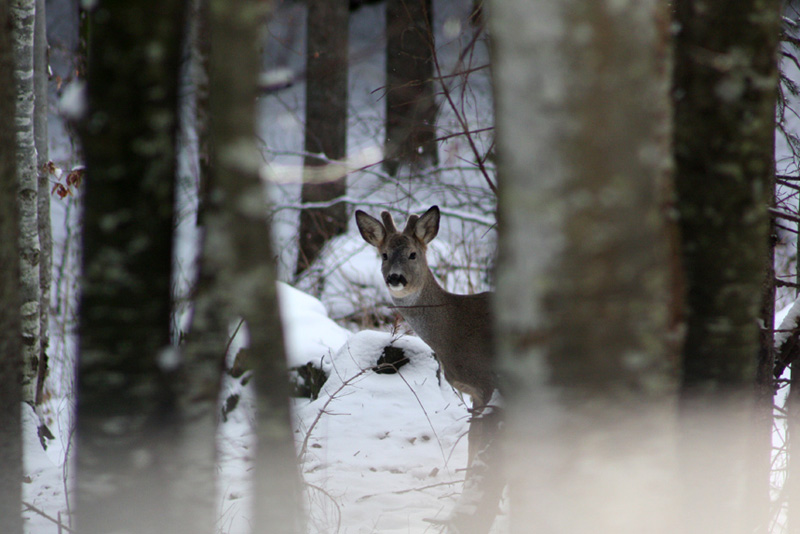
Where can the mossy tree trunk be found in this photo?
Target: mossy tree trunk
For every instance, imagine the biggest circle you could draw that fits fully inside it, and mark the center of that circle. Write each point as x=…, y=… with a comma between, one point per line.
x=725, y=88
x=127, y=412
x=583, y=279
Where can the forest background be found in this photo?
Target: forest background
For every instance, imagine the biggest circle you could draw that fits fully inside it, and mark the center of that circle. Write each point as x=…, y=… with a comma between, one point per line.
x=630, y=195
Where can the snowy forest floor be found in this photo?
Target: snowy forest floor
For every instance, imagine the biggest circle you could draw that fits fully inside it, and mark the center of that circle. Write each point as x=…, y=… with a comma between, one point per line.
x=379, y=452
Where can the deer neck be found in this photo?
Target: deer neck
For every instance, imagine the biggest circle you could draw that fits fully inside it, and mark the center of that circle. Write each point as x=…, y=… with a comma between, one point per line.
x=425, y=311
x=431, y=293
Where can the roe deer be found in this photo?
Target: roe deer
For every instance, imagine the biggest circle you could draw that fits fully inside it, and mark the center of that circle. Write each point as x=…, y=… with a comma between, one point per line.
x=456, y=327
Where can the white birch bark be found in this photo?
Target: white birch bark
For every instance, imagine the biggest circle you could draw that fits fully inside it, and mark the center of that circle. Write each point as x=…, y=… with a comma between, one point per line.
x=23, y=16
x=582, y=113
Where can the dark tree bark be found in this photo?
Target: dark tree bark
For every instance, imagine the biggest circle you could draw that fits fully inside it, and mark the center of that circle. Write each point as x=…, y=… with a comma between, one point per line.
x=239, y=237
x=410, y=105
x=725, y=86
x=127, y=423
x=726, y=73
x=582, y=318
x=761, y=435
x=326, y=126
x=40, y=89
x=10, y=327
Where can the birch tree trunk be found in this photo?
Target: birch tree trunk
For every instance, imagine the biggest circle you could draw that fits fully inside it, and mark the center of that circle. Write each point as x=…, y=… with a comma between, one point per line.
x=725, y=73
x=128, y=422
x=583, y=130
x=40, y=82
x=10, y=346
x=23, y=17
x=240, y=239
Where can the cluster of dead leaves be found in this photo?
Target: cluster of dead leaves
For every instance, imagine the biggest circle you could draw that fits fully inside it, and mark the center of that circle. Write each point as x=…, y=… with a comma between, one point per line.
x=69, y=185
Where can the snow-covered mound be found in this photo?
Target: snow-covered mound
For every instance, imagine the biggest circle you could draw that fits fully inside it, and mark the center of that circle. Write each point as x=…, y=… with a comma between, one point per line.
x=310, y=335
x=382, y=452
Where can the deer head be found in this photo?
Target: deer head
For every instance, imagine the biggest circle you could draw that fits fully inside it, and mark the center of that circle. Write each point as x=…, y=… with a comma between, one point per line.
x=404, y=264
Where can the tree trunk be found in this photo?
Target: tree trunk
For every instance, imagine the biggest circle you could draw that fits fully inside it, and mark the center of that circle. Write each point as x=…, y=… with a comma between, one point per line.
x=410, y=105
x=10, y=328
x=761, y=436
x=724, y=168
x=40, y=82
x=326, y=125
x=204, y=349
x=22, y=17
x=127, y=421
x=726, y=75
x=240, y=238
x=583, y=278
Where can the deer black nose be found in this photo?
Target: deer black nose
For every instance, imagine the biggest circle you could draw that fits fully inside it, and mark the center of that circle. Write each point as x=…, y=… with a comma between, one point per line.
x=396, y=280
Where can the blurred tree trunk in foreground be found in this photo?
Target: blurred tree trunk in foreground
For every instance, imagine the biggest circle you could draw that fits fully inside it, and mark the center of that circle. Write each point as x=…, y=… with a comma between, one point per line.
x=726, y=73
x=127, y=416
x=583, y=270
x=410, y=104
x=207, y=332
x=10, y=328
x=326, y=126
x=239, y=240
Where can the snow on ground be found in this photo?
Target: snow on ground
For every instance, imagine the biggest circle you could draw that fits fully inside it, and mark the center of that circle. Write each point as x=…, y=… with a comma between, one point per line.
x=45, y=472
x=380, y=452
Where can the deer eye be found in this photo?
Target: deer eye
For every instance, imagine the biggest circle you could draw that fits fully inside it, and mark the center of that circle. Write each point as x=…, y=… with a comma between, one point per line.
x=385, y=256
x=412, y=256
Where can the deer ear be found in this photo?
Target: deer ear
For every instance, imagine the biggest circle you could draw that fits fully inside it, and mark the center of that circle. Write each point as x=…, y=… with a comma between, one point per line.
x=428, y=225
x=371, y=229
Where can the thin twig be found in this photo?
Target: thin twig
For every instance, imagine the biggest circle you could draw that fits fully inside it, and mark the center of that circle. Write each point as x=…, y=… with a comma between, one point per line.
x=783, y=215
x=430, y=423
x=322, y=410
x=335, y=504
x=784, y=283
x=464, y=126
x=470, y=132
x=233, y=336
x=37, y=511
x=409, y=490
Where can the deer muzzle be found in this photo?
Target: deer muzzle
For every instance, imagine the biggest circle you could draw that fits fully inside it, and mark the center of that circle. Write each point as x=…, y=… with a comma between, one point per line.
x=396, y=281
